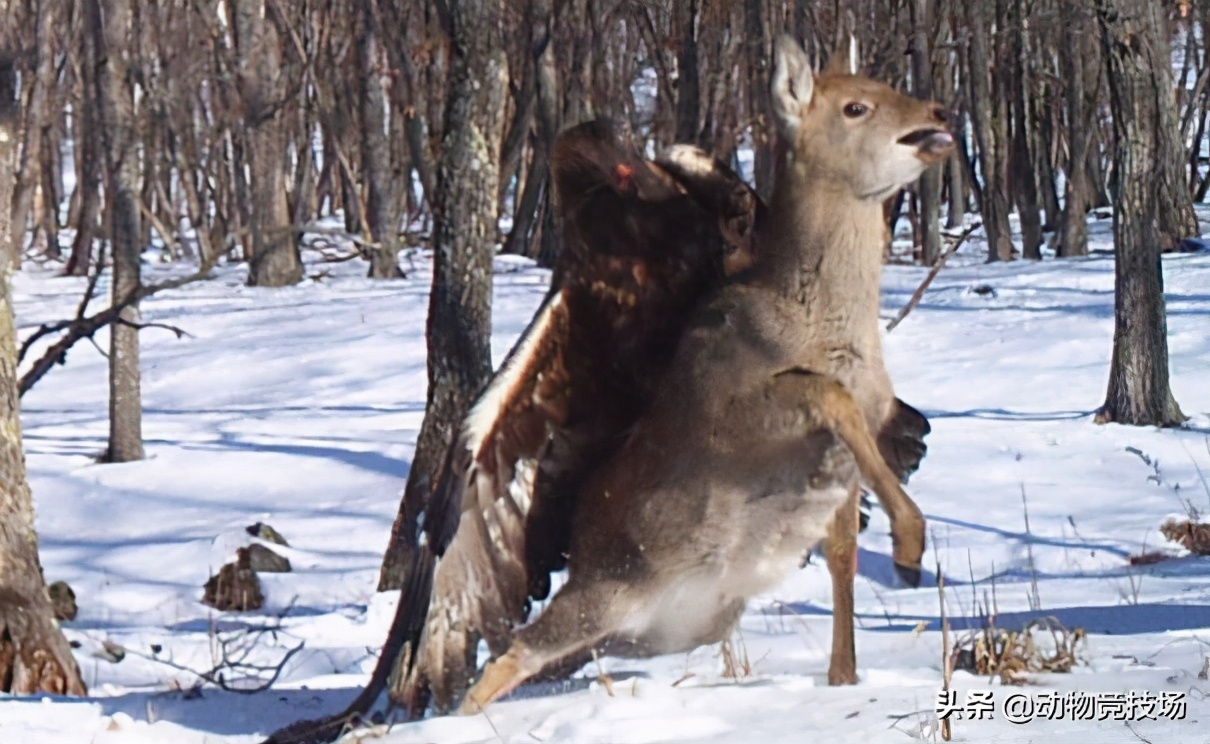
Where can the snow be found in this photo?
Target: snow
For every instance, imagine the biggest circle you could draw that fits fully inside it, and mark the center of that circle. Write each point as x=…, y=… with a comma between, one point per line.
x=300, y=407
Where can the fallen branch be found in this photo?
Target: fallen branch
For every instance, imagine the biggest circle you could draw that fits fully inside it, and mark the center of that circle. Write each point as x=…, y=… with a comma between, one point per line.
x=924, y=285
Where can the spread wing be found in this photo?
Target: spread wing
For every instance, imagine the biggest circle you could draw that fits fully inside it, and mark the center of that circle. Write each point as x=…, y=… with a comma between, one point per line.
x=642, y=243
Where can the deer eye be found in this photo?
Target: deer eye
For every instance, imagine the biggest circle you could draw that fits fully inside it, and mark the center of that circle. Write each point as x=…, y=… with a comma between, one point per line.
x=856, y=110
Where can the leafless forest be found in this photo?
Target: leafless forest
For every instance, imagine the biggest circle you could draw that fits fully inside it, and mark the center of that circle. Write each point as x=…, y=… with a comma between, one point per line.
x=224, y=131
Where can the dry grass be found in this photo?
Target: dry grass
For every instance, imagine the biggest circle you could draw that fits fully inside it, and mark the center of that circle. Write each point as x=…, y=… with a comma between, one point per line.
x=734, y=653
x=1041, y=646
x=1192, y=535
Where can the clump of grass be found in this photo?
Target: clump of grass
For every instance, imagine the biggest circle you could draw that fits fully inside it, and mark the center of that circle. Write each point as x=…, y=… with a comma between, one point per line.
x=1191, y=534
x=734, y=653
x=1043, y=645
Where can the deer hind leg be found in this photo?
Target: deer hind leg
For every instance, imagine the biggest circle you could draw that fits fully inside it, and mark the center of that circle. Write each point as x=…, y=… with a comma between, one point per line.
x=579, y=618
x=841, y=552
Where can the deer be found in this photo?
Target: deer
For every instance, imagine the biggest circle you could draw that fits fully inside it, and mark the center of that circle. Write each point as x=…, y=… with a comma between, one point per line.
x=755, y=447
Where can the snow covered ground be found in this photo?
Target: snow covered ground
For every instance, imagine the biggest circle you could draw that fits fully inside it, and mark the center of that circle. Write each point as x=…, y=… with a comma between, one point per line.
x=299, y=407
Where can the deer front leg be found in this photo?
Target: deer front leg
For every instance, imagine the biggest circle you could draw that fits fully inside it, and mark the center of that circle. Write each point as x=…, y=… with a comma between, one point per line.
x=841, y=552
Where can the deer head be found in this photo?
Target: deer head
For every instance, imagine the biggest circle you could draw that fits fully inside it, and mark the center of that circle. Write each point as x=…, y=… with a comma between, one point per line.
x=859, y=135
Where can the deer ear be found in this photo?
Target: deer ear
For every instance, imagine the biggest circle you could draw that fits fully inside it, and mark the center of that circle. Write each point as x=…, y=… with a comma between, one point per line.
x=846, y=60
x=793, y=83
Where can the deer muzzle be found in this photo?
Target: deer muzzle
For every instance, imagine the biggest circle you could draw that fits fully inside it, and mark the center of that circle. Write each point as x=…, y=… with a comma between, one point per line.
x=930, y=142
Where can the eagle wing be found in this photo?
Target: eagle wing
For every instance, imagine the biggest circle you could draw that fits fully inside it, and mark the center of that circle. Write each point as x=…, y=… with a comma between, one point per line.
x=642, y=243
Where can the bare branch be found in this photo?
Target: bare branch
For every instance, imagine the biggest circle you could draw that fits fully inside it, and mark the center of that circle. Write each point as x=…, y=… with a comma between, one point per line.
x=179, y=332
x=81, y=327
x=924, y=285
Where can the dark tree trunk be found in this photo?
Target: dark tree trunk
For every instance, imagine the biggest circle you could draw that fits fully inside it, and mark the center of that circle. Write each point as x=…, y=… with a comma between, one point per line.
x=527, y=236
x=34, y=655
x=1072, y=238
x=52, y=189
x=806, y=28
x=760, y=102
x=1044, y=166
x=523, y=96
x=464, y=229
x=929, y=187
x=1176, y=215
x=955, y=167
x=1140, y=87
x=382, y=201
x=1023, y=178
x=111, y=30
x=990, y=120
x=38, y=118
x=89, y=160
x=688, y=89
x=1098, y=181
x=274, y=259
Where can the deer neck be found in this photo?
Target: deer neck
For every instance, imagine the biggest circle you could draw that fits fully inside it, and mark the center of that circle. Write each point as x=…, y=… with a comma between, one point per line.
x=823, y=248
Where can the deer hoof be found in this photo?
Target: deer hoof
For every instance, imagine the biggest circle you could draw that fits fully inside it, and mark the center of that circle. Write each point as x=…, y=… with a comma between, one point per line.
x=910, y=575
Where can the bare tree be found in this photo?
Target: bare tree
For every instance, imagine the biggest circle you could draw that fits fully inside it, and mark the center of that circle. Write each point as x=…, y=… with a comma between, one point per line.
x=759, y=48
x=382, y=198
x=989, y=116
x=464, y=212
x=928, y=187
x=86, y=132
x=1022, y=176
x=686, y=17
x=1072, y=238
x=1144, y=125
x=274, y=259
x=34, y=655
x=110, y=26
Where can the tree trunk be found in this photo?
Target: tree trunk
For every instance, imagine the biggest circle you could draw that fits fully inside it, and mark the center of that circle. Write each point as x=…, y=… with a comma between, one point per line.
x=464, y=229
x=86, y=127
x=929, y=187
x=115, y=102
x=527, y=236
x=382, y=201
x=1072, y=239
x=760, y=102
x=1177, y=218
x=274, y=259
x=955, y=167
x=990, y=121
x=1140, y=86
x=34, y=655
x=688, y=90
x=1098, y=182
x=38, y=120
x=1023, y=178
